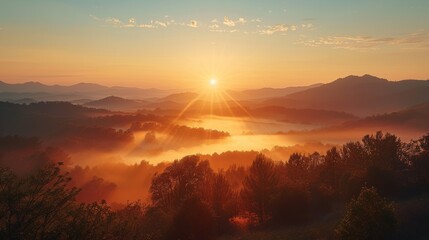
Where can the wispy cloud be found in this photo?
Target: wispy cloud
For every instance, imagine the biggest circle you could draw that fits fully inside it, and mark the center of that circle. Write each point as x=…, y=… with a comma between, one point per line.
x=193, y=24
x=307, y=26
x=132, y=22
x=231, y=23
x=411, y=40
x=214, y=26
x=225, y=25
x=278, y=28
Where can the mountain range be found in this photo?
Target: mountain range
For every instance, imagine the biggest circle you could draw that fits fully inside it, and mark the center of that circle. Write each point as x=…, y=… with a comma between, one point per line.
x=42, y=92
x=357, y=95
x=86, y=92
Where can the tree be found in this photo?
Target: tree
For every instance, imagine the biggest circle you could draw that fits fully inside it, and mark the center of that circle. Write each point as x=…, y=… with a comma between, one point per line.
x=90, y=221
x=193, y=221
x=35, y=206
x=223, y=201
x=291, y=205
x=369, y=216
x=384, y=151
x=385, y=155
x=331, y=169
x=260, y=185
x=180, y=181
x=420, y=163
x=298, y=168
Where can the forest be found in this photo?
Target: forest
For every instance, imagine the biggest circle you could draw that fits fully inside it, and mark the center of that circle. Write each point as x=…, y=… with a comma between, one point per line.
x=375, y=188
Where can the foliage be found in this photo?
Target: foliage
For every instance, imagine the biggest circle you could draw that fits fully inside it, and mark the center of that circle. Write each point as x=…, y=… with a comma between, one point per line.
x=35, y=206
x=369, y=216
x=191, y=201
x=180, y=181
x=260, y=185
x=193, y=221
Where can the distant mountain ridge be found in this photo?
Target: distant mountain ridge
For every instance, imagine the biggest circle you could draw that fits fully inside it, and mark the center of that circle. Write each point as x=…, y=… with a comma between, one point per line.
x=115, y=103
x=74, y=92
x=36, y=91
x=361, y=95
x=262, y=93
x=358, y=95
x=41, y=92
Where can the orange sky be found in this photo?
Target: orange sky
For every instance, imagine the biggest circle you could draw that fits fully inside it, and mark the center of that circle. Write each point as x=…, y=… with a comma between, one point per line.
x=183, y=45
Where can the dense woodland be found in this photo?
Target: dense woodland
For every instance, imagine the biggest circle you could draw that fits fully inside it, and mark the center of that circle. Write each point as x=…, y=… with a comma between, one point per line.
x=188, y=200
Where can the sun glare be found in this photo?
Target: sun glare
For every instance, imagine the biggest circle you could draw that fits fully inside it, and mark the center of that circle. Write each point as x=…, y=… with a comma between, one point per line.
x=213, y=82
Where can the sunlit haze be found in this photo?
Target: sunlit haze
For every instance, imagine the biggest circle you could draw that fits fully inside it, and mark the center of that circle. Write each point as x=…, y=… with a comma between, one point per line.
x=179, y=44
x=213, y=82
x=214, y=120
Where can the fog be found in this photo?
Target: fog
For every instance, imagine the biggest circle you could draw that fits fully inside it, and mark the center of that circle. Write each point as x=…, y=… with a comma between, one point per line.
x=246, y=134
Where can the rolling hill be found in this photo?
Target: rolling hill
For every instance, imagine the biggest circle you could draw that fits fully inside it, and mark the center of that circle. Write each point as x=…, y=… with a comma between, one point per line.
x=42, y=92
x=115, y=103
x=360, y=95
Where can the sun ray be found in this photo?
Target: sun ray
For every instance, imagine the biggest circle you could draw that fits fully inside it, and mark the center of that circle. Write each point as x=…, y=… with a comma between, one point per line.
x=224, y=102
x=238, y=104
x=173, y=123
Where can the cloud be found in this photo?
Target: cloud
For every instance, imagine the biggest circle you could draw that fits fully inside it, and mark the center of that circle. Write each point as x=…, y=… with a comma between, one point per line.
x=113, y=21
x=231, y=23
x=132, y=21
x=214, y=26
x=110, y=20
x=228, y=25
x=241, y=20
x=193, y=24
x=228, y=22
x=146, y=26
x=162, y=24
x=411, y=40
x=278, y=28
x=307, y=26
x=225, y=30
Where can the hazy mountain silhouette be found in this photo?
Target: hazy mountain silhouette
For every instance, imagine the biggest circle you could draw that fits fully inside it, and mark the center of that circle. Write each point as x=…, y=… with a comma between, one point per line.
x=115, y=103
x=415, y=117
x=185, y=97
x=74, y=92
x=361, y=95
x=269, y=92
x=42, y=92
x=305, y=116
x=250, y=94
x=409, y=122
x=42, y=118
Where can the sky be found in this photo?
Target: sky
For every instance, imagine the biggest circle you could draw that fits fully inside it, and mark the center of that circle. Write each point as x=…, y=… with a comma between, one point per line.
x=184, y=44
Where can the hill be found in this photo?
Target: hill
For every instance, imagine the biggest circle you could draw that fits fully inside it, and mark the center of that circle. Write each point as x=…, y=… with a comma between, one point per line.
x=115, y=103
x=42, y=92
x=410, y=123
x=365, y=95
x=262, y=93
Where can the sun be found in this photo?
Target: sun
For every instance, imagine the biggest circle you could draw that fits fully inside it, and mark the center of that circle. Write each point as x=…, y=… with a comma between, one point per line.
x=213, y=82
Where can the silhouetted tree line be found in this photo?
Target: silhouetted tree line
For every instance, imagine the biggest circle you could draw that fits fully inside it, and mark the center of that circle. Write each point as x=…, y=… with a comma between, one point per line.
x=191, y=201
